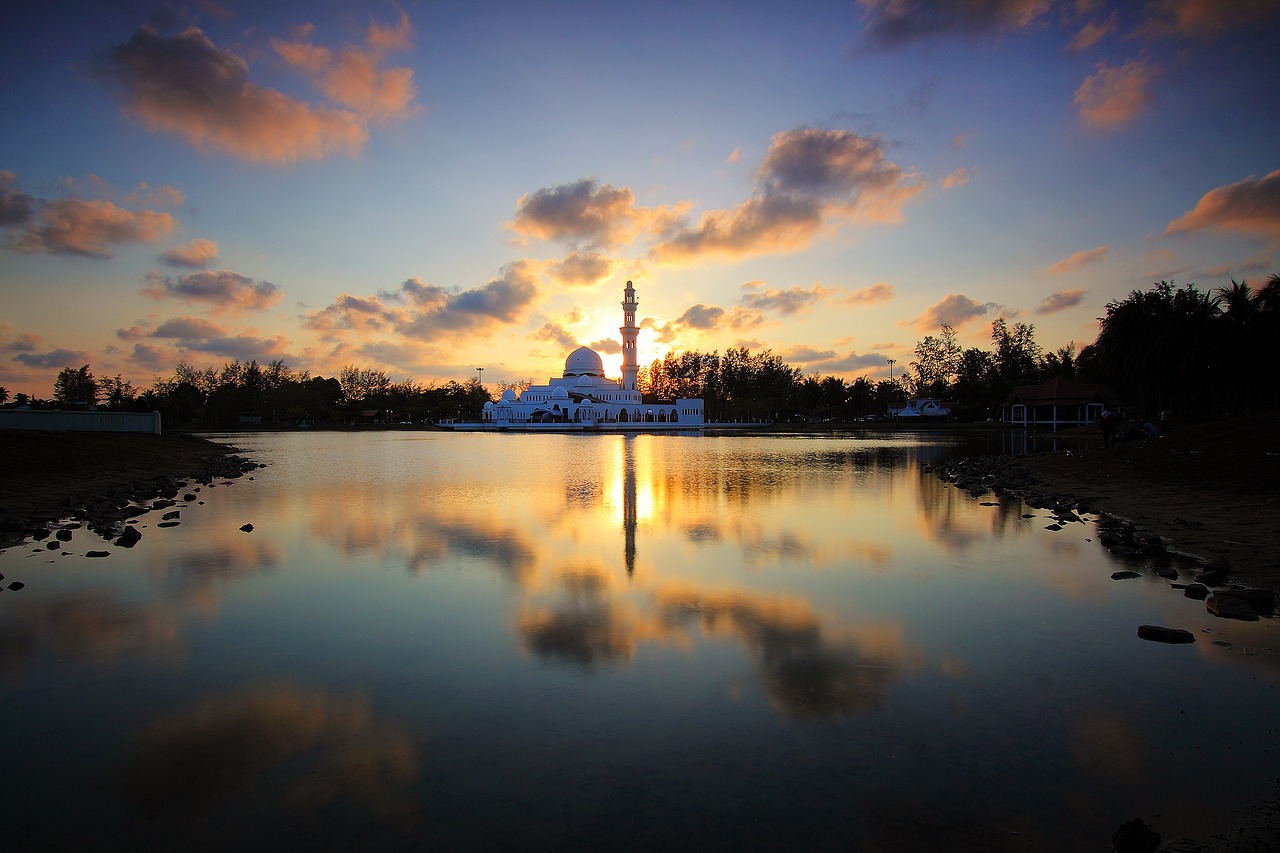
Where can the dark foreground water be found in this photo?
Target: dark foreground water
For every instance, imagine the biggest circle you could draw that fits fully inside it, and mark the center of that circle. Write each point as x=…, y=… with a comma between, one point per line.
x=527, y=642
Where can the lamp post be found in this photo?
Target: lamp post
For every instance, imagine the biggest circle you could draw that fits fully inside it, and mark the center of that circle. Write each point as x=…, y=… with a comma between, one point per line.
x=480, y=375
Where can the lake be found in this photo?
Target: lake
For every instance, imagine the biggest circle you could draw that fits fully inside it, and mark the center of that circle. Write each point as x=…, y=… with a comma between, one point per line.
x=594, y=642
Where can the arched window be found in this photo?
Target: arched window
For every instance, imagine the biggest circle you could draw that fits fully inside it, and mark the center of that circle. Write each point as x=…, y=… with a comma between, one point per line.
x=675, y=416
x=622, y=416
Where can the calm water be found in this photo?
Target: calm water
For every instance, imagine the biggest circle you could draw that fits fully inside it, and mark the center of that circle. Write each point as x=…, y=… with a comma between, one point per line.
x=602, y=642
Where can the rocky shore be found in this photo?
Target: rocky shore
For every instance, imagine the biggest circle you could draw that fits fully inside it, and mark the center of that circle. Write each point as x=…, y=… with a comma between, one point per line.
x=102, y=481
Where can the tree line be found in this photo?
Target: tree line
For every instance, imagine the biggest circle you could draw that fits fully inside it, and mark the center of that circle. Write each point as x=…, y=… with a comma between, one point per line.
x=1189, y=351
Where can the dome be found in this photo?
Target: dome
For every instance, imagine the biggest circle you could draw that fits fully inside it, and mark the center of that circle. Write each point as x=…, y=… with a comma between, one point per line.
x=488, y=404
x=583, y=361
x=560, y=393
x=509, y=395
x=584, y=381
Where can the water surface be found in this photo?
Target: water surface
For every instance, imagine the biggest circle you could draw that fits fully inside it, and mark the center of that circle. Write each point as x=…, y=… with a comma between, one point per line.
x=597, y=641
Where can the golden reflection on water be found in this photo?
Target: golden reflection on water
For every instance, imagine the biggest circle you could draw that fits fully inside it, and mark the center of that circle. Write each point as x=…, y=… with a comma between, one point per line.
x=820, y=616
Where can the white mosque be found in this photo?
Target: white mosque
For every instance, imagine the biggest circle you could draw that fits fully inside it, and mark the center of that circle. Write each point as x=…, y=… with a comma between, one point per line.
x=584, y=398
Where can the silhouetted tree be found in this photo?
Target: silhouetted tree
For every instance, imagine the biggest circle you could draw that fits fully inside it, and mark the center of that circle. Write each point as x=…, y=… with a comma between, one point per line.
x=117, y=393
x=75, y=386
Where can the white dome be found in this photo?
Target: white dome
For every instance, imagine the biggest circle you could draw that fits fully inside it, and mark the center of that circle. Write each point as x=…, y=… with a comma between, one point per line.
x=560, y=393
x=584, y=381
x=509, y=395
x=583, y=361
x=488, y=404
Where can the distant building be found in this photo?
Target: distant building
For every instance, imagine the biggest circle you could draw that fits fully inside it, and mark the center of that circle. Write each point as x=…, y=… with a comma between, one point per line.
x=921, y=407
x=1057, y=404
x=584, y=395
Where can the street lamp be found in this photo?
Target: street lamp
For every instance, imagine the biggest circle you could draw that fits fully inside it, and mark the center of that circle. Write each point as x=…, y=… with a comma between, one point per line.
x=480, y=375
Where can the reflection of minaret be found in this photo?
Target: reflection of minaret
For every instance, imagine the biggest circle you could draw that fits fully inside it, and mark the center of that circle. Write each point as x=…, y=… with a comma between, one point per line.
x=629, y=332
x=629, y=498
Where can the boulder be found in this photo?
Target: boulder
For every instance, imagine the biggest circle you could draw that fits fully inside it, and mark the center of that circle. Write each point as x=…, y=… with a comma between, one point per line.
x=1124, y=576
x=1160, y=634
x=129, y=537
x=1135, y=836
x=1198, y=591
x=247, y=528
x=98, y=554
x=1244, y=604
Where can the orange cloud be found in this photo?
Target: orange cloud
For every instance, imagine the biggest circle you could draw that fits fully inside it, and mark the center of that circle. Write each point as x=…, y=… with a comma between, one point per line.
x=225, y=290
x=953, y=310
x=1115, y=95
x=958, y=178
x=198, y=253
x=581, y=269
x=353, y=76
x=893, y=22
x=422, y=311
x=1092, y=33
x=1061, y=301
x=1250, y=206
x=809, y=179
x=779, y=300
x=878, y=292
x=1079, y=259
x=586, y=212
x=73, y=226
x=1200, y=18
x=189, y=86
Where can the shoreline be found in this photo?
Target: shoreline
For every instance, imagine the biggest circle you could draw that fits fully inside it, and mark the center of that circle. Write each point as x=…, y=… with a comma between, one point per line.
x=100, y=480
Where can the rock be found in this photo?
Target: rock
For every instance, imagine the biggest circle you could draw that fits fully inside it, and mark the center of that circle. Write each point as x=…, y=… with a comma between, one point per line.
x=1053, y=527
x=16, y=585
x=1244, y=604
x=129, y=537
x=1212, y=577
x=247, y=528
x=170, y=516
x=1198, y=591
x=168, y=524
x=1135, y=836
x=1168, y=573
x=53, y=545
x=1160, y=634
x=189, y=496
x=63, y=535
x=40, y=534
x=98, y=554
x=1218, y=564
x=1124, y=576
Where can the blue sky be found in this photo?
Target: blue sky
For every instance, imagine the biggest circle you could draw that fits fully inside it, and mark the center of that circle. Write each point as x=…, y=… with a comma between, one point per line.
x=431, y=187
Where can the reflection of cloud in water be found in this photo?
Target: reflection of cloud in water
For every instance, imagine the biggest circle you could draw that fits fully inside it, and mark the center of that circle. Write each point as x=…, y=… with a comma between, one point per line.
x=583, y=626
x=91, y=625
x=269, y=747
x=194, y=574
x=506, y=548
x=1109, y=746
x=806, y=671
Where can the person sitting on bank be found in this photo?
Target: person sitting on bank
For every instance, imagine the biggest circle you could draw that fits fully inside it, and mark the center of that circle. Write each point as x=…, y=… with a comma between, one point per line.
x=1110, y=422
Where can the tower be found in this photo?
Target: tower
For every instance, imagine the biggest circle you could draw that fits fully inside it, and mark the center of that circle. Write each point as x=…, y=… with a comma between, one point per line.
x=629, y=332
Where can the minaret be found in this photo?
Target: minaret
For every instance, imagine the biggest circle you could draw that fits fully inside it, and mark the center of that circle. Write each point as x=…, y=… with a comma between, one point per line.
x=629, y=332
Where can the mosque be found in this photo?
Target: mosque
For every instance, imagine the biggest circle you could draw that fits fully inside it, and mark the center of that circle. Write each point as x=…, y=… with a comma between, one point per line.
x=585, y=398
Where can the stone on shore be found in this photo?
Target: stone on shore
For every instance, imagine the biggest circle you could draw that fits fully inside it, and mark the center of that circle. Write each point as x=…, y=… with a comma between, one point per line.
x=1161, y=634
x=1245, y=604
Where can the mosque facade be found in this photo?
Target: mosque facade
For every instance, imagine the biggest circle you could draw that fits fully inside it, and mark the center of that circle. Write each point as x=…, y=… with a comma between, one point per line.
x=585, y=396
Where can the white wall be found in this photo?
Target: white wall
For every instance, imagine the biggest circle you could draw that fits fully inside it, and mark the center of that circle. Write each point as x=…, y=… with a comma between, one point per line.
x=56, y=421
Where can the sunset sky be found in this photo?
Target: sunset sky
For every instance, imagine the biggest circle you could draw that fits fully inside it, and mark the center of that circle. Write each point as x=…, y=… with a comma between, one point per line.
x=432, y=187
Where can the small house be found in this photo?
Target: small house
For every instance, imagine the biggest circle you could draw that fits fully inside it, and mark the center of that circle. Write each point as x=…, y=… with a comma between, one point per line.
x=1057, y=404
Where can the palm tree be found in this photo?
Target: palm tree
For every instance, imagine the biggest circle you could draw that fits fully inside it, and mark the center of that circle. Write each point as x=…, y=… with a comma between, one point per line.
x=4, y=395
